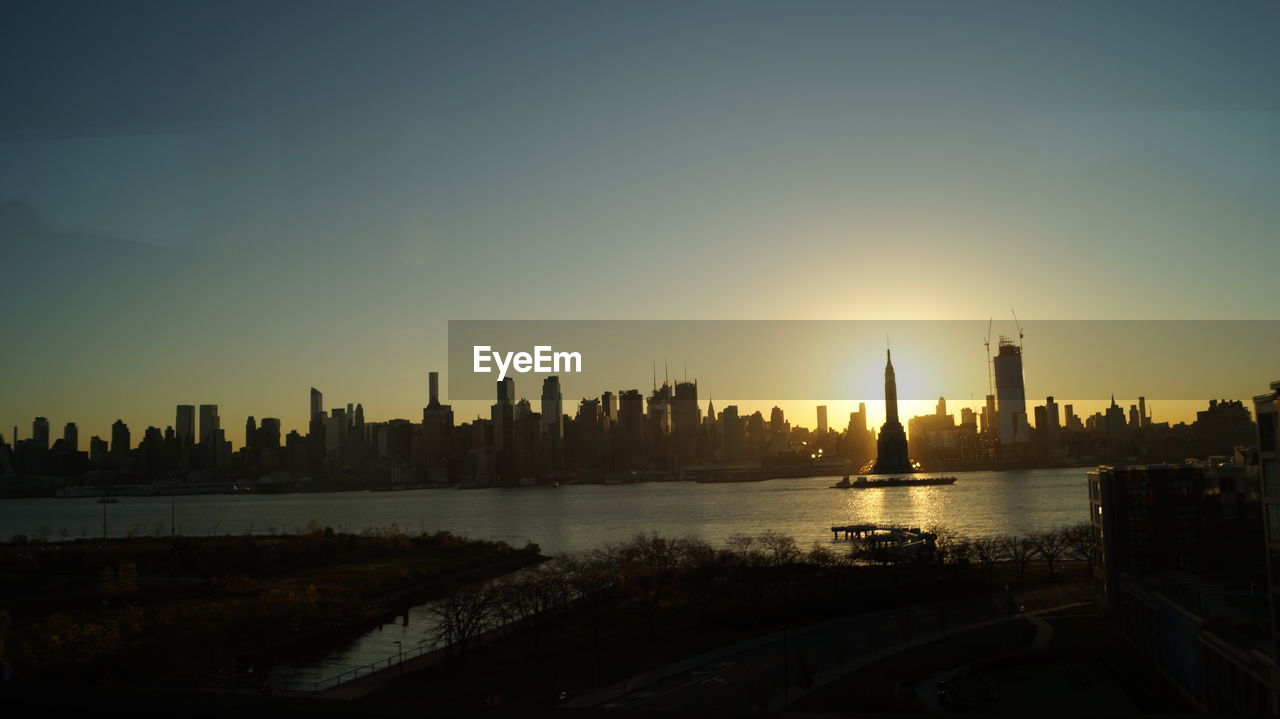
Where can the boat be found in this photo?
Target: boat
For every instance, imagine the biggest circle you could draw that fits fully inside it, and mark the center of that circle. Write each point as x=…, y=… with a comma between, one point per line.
x=864, y=483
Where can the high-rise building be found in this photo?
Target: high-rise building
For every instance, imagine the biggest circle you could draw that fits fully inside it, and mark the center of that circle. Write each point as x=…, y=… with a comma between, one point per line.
x=269, y=433
x=608, y=408
x=552, y=407
x=98, y=449
x=71, y=437
x=317, y=404
x=630, y=432
x=433, y=390
x=1179, y=557
x=989, y=424
x=551, y=423
x=503, y=415
x=250, y=432
x=822, y=419
x=120, y=439
x=209, y=424
x=891, y=445
x=185, y=424
x=1011, y=396
x=684, y=419
x=40, y=433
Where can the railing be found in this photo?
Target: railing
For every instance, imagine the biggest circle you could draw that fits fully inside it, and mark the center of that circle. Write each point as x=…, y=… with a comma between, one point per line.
x=316, y=687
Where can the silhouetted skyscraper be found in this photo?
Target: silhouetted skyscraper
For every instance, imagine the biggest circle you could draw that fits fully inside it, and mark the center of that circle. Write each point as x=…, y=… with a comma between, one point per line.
x=120, y=439
x=71, y=437
x=891, y=457
x=209, y=424
x=1011, y=396
x=552, y=407
x=40, y=433
x=684, y=419
x=608, y=408
x=185, y=424
x=317, y=404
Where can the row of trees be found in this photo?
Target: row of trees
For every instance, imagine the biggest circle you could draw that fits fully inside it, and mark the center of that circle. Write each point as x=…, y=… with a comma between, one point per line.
x=751, y=579
x=1075, y=542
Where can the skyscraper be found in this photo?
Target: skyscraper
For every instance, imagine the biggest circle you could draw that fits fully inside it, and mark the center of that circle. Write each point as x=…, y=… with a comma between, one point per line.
x=71, y=437
x=822, y=419
x=317, y=403
x=552, y=420
x=120, y=439
x=185, y=424
x=208, y=424
x=40, y=433
x=891, y=446
x=1011, y=396
x=552, y=407
x=684, y=419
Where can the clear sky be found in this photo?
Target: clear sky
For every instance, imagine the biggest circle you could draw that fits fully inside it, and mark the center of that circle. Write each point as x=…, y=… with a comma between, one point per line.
x=308, y=191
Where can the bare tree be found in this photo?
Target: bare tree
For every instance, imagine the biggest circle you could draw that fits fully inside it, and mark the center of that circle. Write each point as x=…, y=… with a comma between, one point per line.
x=988, y=552
x=532, y=596
x=1079, y=538
x=464, y=615
x=1020, y=551
x=779, y=549
x=594, y=578
x=1050, y=545
x=944, y=543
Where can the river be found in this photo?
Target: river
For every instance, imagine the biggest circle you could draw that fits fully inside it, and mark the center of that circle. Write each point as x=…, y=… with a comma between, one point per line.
x=581, y=517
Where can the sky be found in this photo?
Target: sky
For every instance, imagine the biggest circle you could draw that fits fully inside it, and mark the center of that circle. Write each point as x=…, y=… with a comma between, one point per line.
x=240, y=200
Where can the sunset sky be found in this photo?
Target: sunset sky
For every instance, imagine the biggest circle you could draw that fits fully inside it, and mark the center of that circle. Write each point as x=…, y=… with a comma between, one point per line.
x=231, y=202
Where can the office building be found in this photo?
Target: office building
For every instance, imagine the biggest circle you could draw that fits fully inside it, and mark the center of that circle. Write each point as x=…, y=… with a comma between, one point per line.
x=184, y=424
x=1011, y=396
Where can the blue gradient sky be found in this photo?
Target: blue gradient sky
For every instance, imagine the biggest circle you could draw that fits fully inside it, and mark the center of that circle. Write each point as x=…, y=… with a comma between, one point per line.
x=331, y=182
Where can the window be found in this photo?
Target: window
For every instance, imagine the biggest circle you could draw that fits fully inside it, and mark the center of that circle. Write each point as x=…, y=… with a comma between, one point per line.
x=1270, y=478
x=1267, y=431
x=1273, y=523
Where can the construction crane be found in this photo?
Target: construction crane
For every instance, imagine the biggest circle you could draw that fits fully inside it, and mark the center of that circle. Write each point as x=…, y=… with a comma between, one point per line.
x=991, y=383
x=1019, y=326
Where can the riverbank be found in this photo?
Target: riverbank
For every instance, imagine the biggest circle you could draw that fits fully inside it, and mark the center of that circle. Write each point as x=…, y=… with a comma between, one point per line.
x=191, y=611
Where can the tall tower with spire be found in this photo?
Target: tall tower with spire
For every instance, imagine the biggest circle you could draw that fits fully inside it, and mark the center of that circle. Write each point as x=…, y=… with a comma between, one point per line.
x=891, y=445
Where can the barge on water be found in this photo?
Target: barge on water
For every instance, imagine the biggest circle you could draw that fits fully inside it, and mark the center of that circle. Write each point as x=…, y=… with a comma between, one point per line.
x=864, y=483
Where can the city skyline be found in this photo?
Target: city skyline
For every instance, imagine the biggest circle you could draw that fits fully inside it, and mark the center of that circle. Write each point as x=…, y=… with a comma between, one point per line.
x=797, y=411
